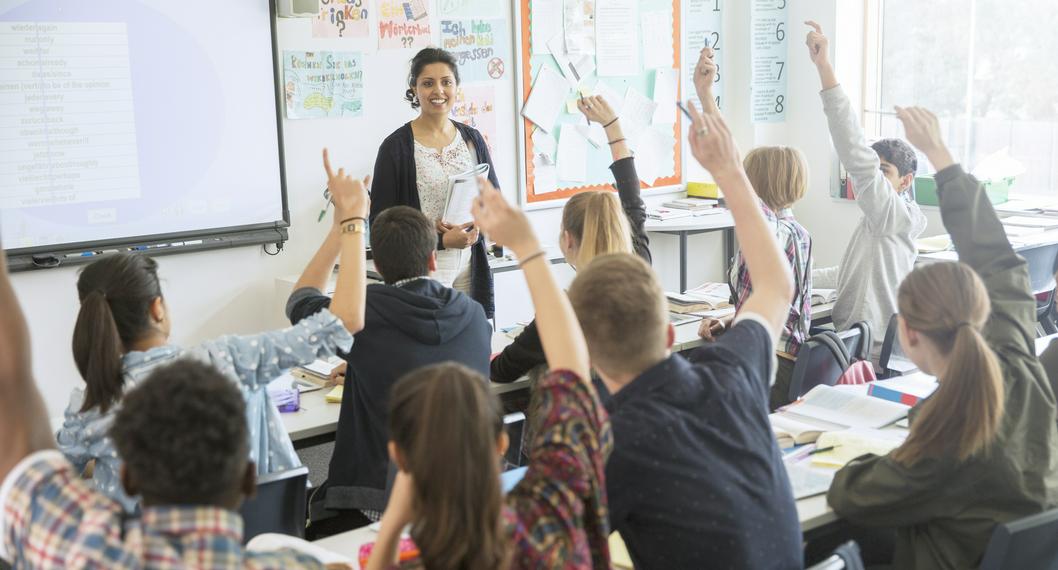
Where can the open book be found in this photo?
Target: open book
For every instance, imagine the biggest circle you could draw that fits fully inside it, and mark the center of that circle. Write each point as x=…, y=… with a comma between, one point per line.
x=705, y=297
x=462, y=189
x=851, y=443
x=823, y=296
x=826, y=409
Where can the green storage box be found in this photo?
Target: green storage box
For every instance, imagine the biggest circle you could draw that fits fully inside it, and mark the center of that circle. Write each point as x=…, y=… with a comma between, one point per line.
x=998, y=191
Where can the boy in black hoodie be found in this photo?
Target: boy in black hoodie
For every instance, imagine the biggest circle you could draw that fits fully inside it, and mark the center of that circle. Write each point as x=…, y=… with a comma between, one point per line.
x=411, y=321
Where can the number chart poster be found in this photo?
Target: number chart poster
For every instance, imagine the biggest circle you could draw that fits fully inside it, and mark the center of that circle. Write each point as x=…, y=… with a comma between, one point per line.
x=403, y=24
x=323, y=84
x=341, y=19
x=481, y=47
x=475, y=106
x=768, y=56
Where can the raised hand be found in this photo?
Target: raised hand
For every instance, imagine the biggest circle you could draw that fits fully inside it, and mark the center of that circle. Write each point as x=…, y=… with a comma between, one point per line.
x=505, y=224
x=348, y=194
x=922, y=129
x=818, y=44
x=705, y=75
x=596, y=109
x=712, y=144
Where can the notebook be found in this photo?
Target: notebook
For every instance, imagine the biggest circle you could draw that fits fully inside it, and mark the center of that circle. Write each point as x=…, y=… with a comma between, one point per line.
x=462, y=190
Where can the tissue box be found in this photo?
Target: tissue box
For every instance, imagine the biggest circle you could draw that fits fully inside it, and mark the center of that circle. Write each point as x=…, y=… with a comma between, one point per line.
x=998, y=190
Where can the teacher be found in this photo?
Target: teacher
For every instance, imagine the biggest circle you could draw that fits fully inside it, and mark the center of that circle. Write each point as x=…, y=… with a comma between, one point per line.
x=415, y=161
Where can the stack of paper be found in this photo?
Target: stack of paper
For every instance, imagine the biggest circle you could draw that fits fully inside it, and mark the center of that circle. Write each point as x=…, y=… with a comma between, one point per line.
x=692, y=204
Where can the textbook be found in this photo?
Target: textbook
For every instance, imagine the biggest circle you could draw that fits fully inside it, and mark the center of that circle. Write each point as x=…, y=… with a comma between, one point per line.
x=462, y=190
x=849, y=444
x=318, y=371
x=691, y=203
x=790, y=430
x=908, y=390
x=832, y=408
x=705, y=297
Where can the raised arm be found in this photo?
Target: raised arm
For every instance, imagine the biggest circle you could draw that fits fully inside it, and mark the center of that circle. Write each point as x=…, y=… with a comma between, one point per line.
x=704, y=78
x=351, y=204
x=714, y=148
x=626, y=179
x=976, y=232
x=560, y=332
x=23, y=419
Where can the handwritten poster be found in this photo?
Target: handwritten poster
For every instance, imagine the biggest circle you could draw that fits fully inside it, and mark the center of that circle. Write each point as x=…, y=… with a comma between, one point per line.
x=341, y=19
x=702, y=19
x=480, y=47
x=323, y=84
x=452, y=9
x=768, y=52
x=403, y=24
x=475, y=106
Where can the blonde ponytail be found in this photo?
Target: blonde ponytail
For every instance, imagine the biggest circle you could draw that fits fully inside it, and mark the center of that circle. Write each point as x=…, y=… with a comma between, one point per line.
x=598, y=224
x=948, y=303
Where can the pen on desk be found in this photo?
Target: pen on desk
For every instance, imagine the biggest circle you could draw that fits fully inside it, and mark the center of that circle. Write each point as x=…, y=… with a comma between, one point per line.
x=822, y=449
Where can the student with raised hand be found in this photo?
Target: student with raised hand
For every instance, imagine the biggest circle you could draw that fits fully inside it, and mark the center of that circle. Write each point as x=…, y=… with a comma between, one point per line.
x=447, y=438
x=187, y=448
x=695, y=476
x=411, y=321
x=779, y=175
x=592, y=224
x=122, y=334
x=881, y=251
x=984, y=448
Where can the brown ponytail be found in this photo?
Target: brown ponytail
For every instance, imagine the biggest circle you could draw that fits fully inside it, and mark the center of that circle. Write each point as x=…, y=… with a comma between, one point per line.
x=595, y=219
x=948, y=303
x=116, y=293
x=446, y=424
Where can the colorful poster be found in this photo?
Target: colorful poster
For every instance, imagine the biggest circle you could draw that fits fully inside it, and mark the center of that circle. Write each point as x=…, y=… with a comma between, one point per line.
x=323, y=84
x=470, y=8
x=768, y=50
x=341, y=19
x=475, y=106
x=481, y=47
x=403, y=24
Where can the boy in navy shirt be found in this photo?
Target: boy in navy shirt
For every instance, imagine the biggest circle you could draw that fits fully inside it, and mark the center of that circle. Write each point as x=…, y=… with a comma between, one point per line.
x=695, y=477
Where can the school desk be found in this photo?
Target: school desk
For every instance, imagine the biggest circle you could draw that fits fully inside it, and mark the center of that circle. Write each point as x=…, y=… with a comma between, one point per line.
x=693, y=225
x=687, y=333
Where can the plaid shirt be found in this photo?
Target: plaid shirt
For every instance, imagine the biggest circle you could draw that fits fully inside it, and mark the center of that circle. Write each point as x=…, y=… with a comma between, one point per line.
x=54, y=519
x=797, y=245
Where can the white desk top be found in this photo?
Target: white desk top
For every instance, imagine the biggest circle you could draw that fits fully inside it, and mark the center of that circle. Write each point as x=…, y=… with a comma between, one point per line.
x=687, y=334
x=718, y=221
x=319, y=417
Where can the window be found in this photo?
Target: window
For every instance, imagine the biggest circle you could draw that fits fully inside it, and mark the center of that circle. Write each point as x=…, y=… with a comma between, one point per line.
x=987, y=68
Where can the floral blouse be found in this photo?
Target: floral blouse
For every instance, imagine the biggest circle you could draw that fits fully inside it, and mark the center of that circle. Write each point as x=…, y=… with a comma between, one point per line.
x=251, y=361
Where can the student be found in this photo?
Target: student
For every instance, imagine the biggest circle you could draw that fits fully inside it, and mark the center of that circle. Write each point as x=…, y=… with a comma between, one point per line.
x=411, y=321
x=447, y=439
x=185, y=442
x=779, y=175
x=122, y=334
x=592, y=224
x=881, y=251
x=1049, y=360
x=415, y=161
x=982, y=449
x=695, y=476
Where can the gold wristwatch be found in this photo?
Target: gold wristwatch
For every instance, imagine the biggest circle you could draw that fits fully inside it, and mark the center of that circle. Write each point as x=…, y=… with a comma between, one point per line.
x=353, y=226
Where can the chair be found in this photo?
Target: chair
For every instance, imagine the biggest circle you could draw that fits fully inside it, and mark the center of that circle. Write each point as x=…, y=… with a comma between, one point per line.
x=891, y=359
x=857, y=341
x=278, y=506
x=845, y=557
x=1024, y=543
x=1043, y=261
x=820, y=361
x=514, y=425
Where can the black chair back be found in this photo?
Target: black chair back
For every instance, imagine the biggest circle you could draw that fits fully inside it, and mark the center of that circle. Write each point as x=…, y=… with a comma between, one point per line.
x=1042, y=264
x=1031, y=542
x=278, y=506
x=514, y=425
x=820, y=361
x=845, y=557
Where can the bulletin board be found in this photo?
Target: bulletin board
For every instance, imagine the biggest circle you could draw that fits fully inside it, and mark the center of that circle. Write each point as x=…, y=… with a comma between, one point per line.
x=597, y=173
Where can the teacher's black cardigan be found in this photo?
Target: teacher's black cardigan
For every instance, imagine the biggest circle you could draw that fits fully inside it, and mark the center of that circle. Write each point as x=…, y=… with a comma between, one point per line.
x=394, y=185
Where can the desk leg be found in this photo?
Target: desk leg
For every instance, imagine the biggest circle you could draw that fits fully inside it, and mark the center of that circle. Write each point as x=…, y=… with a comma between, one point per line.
x=729, y=251
x=683, y=261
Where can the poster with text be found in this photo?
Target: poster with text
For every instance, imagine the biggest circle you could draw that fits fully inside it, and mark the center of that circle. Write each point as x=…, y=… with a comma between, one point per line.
x=768, y=50
x=341, y=19
x=702, y=20
x=470, y=8
x=481, y=48
x=403, y=24
x=475, y=106
x=323, y=84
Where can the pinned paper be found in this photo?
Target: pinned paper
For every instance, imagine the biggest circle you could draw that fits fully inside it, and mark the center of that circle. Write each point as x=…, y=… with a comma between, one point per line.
x=545, y=24
x=593, y=133
x=403, y=24
x=475, y=106
x=544, y=144
x=654, y=155
x=572, y=155
x=665, y=80
x=636, y=114
x=323, y=84
x=656, y=53
x=480, y=47
x=617, y=38
x=346, y=19
x=545, y=177
x=612, y=97
x=547, y=98
x=579, y=25
x=574, y=68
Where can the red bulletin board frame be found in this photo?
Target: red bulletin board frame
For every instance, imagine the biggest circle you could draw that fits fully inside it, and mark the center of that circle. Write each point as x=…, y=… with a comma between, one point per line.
x=526, y=80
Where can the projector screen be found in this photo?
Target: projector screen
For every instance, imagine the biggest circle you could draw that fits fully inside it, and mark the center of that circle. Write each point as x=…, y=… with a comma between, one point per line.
x=123, y=121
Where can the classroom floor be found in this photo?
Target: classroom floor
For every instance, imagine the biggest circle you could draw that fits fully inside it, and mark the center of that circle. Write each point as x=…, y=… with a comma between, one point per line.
x=317, y=458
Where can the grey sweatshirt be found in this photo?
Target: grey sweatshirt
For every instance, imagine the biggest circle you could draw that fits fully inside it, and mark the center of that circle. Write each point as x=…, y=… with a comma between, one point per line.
x=882, y=249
